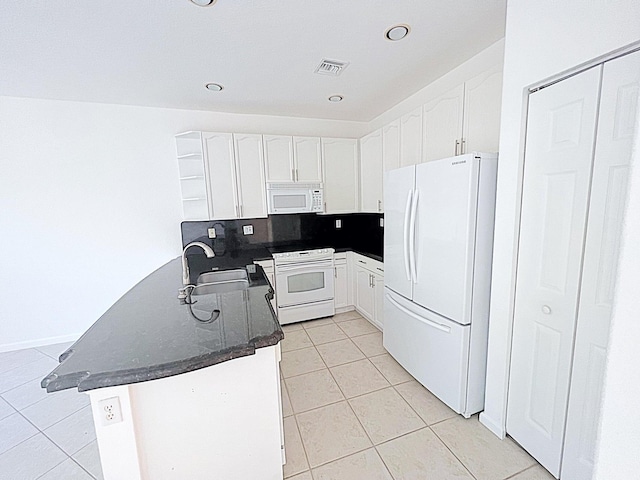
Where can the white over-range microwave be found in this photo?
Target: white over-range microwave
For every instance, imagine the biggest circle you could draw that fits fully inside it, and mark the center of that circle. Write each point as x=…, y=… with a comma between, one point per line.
x=295, y=198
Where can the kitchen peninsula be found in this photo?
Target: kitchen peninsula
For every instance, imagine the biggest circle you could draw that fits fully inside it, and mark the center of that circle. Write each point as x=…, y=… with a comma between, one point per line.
x=177, y=397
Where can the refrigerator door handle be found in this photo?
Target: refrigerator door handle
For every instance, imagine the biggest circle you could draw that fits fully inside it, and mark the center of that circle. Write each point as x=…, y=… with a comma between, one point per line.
x=412, y=238
x=405, y=236
x=426, y=321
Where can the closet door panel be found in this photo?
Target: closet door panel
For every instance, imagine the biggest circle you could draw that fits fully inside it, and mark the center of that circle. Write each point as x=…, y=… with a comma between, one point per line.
x=616, y=123
x=559, y=146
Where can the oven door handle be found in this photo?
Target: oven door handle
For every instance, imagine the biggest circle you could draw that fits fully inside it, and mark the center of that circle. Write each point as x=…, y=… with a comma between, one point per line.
x=305, y=266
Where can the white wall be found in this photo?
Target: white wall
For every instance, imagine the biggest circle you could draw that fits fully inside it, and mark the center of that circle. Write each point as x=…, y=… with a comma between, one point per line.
x=483, y=61
x=543, y=39
x=90, y=205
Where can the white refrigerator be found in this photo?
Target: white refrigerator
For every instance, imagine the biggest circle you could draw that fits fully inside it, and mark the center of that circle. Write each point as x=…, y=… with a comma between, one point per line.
x=438, y=242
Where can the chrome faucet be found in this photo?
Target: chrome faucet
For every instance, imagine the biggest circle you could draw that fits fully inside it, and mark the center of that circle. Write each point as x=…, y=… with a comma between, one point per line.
x=185, y=268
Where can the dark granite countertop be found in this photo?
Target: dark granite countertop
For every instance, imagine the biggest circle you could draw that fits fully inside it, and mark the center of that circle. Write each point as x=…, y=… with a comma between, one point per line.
x=148, y=334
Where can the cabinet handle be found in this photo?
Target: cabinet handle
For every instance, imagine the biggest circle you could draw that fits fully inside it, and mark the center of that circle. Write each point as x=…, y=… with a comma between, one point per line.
x=240, y=208
x=325, y=207
x=335, y=272
x=297, y=176
x=293, y=174
x=457, y=146
x=462, y=144
x=379, y=205
x=360, y=261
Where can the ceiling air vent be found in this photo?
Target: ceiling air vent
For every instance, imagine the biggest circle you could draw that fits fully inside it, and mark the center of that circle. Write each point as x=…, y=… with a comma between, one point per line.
x=331, y=67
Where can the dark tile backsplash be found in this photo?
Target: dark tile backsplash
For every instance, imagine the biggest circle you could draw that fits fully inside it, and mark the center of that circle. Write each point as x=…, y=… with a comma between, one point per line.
x=360, y=232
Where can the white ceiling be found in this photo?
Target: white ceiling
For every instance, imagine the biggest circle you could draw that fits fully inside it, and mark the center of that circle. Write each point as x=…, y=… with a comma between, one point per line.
x=161, y=53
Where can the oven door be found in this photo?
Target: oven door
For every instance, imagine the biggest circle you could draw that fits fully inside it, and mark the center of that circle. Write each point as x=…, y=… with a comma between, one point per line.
x=289, y=200
x=303, y=283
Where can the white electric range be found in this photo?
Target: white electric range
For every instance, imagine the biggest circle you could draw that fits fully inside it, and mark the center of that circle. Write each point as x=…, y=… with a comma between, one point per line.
x=304, y=284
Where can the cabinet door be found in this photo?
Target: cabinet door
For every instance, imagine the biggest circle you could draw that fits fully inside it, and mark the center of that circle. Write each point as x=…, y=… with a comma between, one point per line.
x=341, y=286
x=365, y=300
x=411, y=138
x=482, y=102
x=391, y=145
x=340, y=175
x=378, y=295
x=252, y=195
x=560, y=134
x=278, y=158
x=308, y=159
x=443, y=125
x=618, y=109
x=371, y=172
x=219, y=154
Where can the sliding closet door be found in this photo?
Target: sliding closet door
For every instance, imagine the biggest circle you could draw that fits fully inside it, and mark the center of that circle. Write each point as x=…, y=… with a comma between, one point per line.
x=616, y=124
x=559, y=149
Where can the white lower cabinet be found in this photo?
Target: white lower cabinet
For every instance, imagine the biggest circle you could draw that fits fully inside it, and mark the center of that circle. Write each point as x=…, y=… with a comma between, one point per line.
x=341, y=283
x=369, y=288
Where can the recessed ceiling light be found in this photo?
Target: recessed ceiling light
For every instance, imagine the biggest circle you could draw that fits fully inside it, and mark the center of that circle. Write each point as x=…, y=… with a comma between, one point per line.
x=397, y=32
x=214, y=87
x=203, y=3
x=336, y=98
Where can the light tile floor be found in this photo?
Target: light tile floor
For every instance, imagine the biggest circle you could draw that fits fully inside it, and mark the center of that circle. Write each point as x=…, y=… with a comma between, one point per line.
x=351, y=413
x=43, y=436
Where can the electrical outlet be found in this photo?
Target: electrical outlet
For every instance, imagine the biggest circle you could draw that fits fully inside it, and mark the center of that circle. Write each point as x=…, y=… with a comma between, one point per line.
x=247, y=229
x=338, y=223
x=211, y=232
x=110, y=411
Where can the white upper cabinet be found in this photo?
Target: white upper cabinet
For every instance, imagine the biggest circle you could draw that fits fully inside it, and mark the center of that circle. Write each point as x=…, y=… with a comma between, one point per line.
x=221, y=175
x=443, y=125
x=278, y=158
x=252, y=194
x=391, y=145
x=223, y=201
x=482, y=104
x=371, y=172
x=464, y=119
x=307, y=156
x=340, y=175
x=292, y=159
x=411, y=138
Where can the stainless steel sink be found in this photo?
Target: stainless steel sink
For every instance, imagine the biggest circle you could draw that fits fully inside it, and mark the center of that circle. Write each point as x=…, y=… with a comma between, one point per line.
x=223, y=276
x=221, y=282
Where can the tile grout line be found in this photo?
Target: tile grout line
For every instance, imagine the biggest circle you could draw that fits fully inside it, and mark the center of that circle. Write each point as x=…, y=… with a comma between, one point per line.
x=350, y=407
x=452, y=452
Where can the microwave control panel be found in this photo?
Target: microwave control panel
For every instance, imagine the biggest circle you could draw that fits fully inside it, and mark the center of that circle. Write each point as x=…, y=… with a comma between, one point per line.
x=316, y=201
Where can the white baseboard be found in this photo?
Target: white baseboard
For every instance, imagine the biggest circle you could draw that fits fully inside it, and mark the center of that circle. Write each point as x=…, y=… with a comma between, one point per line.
x=494, y=427
x=348, y=308
x=40, y=342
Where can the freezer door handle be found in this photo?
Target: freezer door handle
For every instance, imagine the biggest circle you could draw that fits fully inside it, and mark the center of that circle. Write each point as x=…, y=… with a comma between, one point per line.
x=405, y=235
x=412, y=238
x=438, y=326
